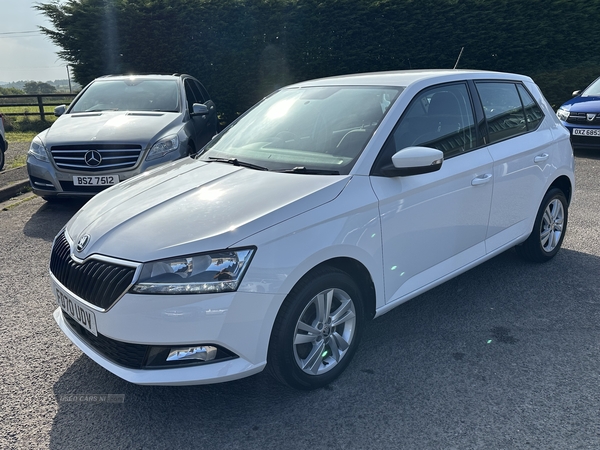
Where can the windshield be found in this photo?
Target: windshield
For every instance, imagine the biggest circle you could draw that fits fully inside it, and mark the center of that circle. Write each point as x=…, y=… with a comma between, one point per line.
x=133, y=94
x=306, y=130
x=593, y=90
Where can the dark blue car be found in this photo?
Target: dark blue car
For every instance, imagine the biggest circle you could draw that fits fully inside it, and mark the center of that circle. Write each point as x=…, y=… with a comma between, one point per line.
x=581, y=116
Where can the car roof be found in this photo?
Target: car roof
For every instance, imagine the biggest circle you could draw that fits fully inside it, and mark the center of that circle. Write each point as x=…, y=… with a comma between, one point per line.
x=407, y=77
x=145, y=76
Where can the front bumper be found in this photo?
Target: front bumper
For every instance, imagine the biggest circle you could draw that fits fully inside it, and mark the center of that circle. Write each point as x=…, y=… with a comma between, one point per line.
x=583, y=142
x=47, y=181
x=241, y=323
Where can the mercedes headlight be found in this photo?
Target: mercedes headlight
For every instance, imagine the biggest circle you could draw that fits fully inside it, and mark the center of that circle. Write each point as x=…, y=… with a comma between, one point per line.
x=204, y=273
x=38, y=150
x=162, y=147
x=562, y=114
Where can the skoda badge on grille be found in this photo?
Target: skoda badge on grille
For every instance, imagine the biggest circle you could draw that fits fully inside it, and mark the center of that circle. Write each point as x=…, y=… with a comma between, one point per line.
x=83, y=242
x=93, y=158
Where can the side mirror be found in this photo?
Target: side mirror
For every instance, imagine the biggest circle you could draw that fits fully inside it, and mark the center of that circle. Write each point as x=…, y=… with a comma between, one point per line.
x=198, y=109
x=414, y=161
x=576, y=93
x=60, y=110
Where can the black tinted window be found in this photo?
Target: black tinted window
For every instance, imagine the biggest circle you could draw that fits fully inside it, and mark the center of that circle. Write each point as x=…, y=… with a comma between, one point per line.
x=533, y=113
x=503, y=110
x=440, y=117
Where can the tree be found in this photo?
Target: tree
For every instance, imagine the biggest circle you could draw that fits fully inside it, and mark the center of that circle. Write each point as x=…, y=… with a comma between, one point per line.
x=10, y=91
x=242, y=50
x=35, y=87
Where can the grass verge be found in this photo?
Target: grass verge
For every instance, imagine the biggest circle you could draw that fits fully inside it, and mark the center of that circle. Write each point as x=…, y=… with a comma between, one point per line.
x=20, y=136
x=19, y=161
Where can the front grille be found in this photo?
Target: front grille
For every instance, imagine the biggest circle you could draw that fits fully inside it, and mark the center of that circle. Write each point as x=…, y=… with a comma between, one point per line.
x=114, y=157
x=132, y=356
x=97, y=282
x=581, y=118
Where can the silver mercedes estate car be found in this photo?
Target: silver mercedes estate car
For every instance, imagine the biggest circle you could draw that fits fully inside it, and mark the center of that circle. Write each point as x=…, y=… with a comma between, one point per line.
x=118, y=127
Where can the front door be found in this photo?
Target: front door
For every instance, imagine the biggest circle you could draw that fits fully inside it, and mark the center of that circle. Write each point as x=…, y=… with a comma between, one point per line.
x=434, y=224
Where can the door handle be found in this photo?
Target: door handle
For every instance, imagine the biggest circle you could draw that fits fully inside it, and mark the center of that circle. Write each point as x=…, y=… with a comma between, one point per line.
x=482, y=179
x=541, y=158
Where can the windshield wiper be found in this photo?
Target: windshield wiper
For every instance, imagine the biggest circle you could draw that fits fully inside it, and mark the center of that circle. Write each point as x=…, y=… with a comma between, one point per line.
x=237, y=162
x=302, y=169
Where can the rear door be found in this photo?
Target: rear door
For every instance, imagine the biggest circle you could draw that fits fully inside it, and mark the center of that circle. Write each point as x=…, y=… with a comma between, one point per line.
x=521, y=158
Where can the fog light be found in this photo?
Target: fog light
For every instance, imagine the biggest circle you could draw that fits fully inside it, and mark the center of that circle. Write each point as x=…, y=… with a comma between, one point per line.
x=204, y=353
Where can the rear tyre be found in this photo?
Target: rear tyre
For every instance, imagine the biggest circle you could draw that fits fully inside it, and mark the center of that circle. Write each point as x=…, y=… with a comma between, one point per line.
x=548, y=230
x=317, y=330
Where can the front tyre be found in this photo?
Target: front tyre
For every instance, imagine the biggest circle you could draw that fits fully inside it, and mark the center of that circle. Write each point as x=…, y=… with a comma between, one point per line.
x=317, y=330
x=548, y=230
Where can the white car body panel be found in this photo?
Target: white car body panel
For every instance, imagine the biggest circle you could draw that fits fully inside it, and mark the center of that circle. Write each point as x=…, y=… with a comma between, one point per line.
x=215, y=373
x=194, y=192
x=411, y=208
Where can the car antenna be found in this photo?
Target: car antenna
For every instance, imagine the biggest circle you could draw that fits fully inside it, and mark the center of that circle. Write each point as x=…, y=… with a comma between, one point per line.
x=458, y=59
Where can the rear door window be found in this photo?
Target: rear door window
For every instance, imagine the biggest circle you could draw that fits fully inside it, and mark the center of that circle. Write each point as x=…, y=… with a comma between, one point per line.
x=503, y=110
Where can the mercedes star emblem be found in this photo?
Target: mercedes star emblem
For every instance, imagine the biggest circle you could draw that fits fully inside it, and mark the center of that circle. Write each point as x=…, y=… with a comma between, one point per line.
x=93, y=158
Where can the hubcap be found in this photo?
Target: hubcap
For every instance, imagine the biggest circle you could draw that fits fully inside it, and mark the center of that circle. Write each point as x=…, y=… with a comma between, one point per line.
x=324, y=331
x=552, y=225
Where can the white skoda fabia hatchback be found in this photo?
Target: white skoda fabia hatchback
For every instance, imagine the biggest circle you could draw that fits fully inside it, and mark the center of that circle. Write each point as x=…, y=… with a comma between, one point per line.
x=329, y=203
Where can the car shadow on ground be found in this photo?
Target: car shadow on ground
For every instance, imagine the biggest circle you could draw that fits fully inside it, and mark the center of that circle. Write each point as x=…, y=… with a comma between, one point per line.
x=48, y=220
x=587, y=154
x=482, y=357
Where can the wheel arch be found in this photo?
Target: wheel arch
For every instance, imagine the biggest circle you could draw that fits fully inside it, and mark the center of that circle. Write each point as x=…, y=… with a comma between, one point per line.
x=564, y=184
x=358, y=272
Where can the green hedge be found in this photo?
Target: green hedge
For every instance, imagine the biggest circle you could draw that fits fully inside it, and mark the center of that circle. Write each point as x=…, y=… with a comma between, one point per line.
x=242, y=50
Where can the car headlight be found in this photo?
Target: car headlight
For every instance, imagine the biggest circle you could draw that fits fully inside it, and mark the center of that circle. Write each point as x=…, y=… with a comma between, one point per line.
x=37, y=150
x=163, y=146
x=204, y=273
x=562, y=114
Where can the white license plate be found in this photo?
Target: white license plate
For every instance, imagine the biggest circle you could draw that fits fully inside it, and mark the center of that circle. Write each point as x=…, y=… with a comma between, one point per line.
x=95, y=180
x=586, y=132
x=81, y=314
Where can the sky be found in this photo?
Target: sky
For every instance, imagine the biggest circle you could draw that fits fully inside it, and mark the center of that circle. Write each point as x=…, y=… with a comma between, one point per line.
x=25, y=53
